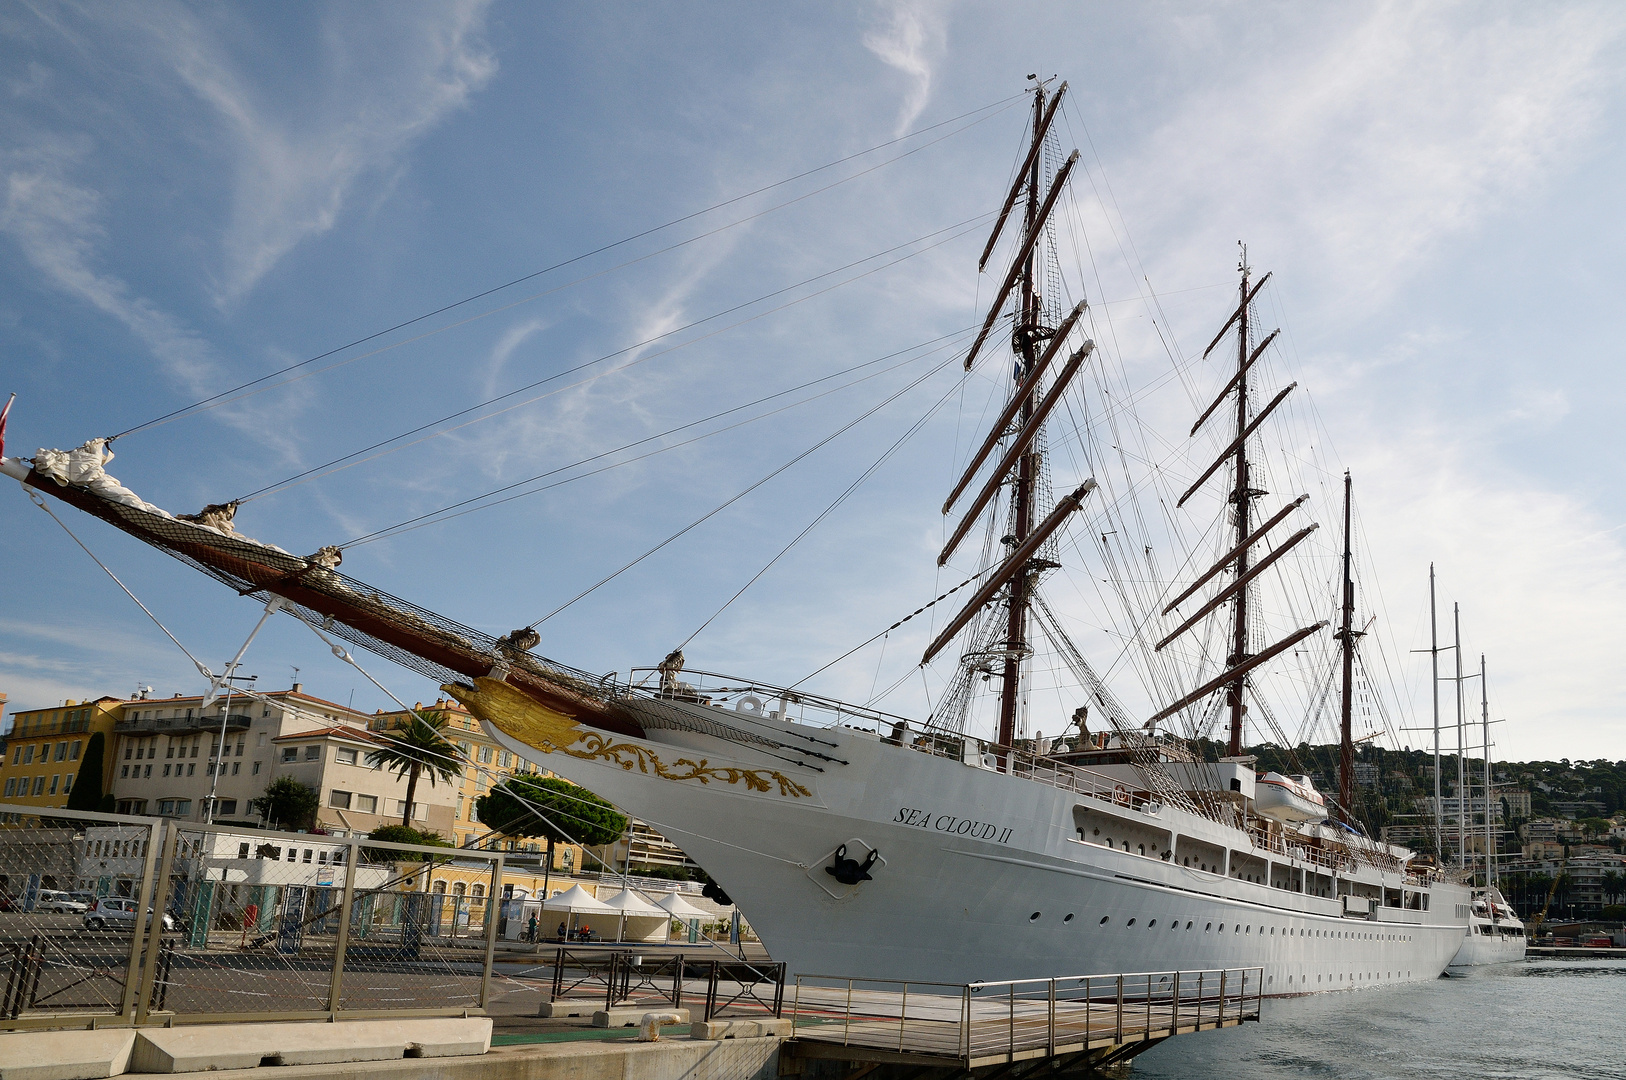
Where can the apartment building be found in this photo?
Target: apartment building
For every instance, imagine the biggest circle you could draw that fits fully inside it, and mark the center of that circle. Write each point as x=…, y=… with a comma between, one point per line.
x=171, y=759
x=43, y=751
x=356, y=797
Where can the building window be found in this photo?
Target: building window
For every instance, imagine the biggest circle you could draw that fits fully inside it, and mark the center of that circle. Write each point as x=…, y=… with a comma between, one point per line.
x=191, y=769
x=174, y=807
x=28, y=754
x=39, y=785
x=55, y=782
x=485, y=755
x=61, y=752
x=290, y=753
x=169, y=749
x=236, y=767
x=17, y=756
x=11, y=786
x=166, y=770
x=417, y=809
x=240, y=744
x=125, y=773
x=256, y=770
x=367, y=804
x=148, y=773
x=128, y=751
x=261, y=740
x=242, y=851
x=226, y=806
x=344, y=756
x=307, y=855
x=313, y=753
x=339, y=799
x=194, y=748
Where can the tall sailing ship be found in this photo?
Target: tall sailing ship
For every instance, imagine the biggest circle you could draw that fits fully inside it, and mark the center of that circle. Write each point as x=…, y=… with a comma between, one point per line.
x=866, y=843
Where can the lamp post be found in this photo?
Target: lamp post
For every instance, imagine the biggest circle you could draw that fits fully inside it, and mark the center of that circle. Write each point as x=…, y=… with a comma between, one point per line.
x=220, y=752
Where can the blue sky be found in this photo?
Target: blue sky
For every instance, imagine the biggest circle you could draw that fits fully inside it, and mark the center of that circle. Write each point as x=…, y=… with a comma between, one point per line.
x=195, y=196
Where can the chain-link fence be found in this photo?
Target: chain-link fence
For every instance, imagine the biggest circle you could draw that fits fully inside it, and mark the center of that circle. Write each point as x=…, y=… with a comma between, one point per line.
x=144, y=918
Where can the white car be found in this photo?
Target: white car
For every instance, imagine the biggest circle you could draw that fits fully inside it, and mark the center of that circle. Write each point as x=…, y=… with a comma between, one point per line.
x=118, y=911
x=60, y=902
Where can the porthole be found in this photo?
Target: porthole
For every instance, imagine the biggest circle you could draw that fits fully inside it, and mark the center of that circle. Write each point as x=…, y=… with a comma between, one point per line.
x=1151, y=924
x=1097, y=832
x=1222, y=928
x=1250, y=929
x=1131, y=922
x=1188, y=926
x=1238, y=929
x=1068, y=917
x=1209, y=927
x=1104, y=919
x=1034, y=917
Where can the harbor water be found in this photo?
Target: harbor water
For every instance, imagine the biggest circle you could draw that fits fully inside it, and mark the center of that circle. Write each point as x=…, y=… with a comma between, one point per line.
x=1539, y=1018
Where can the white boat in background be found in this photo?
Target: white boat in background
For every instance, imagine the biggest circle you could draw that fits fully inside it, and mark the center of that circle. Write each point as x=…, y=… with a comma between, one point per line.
x=1288, y=798
x=1496, y=934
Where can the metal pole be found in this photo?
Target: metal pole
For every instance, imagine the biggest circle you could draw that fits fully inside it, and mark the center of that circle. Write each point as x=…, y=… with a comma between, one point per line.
x=1462, y=773
x=155, y=930
x=1490, y=836
x=1434, y=665
x=1221, y=1021
x=132, y=972
x=342, y=945
x=1174, y=1012
x=1050, y=1042
x=492, y=900
x=903, y=1016
x=1118, y=1034
x=1010, y=1017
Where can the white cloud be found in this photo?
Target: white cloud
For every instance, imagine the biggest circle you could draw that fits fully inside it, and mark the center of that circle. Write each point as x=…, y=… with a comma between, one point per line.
x=910, y=41
x=1379, y=135
x=294, y=174
x=57, y=224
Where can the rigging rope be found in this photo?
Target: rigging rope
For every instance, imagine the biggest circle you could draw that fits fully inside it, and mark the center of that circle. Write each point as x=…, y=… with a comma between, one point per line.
x=344, y=461
x=737, y=497
x=992, y=109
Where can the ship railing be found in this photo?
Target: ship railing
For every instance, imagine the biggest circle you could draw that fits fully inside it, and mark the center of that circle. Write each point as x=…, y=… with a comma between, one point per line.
x=983, y=1023
x=759, y=700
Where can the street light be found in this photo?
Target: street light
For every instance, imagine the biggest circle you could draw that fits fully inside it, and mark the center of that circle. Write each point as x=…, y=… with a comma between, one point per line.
x=220, y=751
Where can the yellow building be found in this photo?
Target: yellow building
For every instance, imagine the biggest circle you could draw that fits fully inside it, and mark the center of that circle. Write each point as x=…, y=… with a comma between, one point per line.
x=487, y=765
x=45, y=747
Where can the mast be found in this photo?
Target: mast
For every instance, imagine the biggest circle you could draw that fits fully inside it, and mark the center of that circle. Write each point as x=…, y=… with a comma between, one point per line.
x=1434, y=664
x=1240, y=495
x=1462, y=771
x=1346, y=639
x=1023, y=340
x=1484, y=720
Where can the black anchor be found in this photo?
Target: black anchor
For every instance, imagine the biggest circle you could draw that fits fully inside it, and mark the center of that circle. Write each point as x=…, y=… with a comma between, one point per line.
x=851, y=871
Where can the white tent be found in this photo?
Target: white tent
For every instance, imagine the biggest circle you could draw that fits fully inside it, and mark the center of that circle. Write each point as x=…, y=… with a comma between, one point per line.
x=640, y=920
x=681, y=910
x=577, y=901
x=675, y=906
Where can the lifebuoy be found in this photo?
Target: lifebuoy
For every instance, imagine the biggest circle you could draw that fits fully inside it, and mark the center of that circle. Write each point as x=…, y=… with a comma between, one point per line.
x=1120, y=795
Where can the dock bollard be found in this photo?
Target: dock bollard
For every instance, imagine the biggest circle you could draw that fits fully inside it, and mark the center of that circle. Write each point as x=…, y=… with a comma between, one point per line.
x=650, y=1029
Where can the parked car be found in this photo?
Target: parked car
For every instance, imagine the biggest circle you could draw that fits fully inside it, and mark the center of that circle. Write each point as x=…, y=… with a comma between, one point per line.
x=118, y=911
x=85, y=897
x=60, y=902
x=1598, y=941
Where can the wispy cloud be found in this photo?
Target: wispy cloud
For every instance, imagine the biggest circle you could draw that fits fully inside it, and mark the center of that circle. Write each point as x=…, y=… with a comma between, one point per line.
x=911, y=40
x=386, y=83
x=57, y=224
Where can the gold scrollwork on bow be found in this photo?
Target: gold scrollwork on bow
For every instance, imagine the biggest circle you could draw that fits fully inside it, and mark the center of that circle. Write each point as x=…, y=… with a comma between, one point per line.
x=516, y=714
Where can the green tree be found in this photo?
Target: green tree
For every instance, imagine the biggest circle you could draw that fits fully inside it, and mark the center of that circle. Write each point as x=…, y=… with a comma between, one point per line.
x=287, y=804
x=1614, y=884
x=418, y=747
x=87, y=787
x=402, y=834
x=549, y=807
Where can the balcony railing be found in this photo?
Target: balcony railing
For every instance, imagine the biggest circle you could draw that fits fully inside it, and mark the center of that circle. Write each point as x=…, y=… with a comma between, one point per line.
x=181, y=725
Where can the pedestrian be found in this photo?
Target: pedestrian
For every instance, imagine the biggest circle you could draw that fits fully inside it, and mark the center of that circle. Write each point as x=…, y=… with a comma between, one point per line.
x=530, y=930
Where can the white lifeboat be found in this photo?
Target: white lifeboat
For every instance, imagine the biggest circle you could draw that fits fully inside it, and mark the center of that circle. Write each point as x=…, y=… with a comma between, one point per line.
x=1288, y=798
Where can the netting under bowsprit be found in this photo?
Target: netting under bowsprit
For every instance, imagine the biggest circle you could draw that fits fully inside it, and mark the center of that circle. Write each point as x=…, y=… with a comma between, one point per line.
x=414, y=637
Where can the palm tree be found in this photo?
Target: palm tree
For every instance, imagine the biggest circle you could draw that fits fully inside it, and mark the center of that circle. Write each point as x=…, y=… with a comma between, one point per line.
x=416, y=748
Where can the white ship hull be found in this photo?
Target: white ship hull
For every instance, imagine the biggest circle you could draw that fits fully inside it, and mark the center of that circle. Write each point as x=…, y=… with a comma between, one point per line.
x=981, y=874
x=1495, y=935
